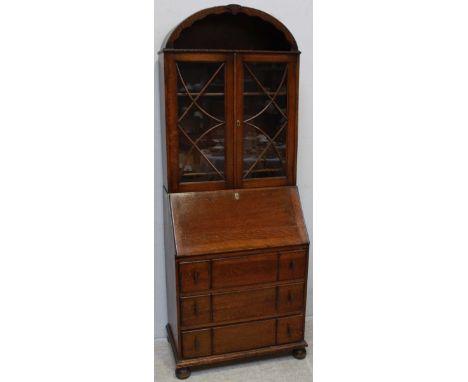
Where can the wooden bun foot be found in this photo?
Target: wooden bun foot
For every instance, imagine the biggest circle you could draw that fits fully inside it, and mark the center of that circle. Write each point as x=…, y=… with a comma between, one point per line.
x=182, y=373
x=299, y=353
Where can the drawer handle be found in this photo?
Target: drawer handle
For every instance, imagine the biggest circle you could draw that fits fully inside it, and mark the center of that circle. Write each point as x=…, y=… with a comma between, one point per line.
x=289, y=330
x=195, y=309
x=292, y=265
x=196, y=344
x=290, y=296
x=196, y=277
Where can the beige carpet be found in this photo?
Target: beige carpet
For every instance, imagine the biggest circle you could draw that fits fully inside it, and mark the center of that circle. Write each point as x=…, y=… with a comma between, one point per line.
x=276, y=369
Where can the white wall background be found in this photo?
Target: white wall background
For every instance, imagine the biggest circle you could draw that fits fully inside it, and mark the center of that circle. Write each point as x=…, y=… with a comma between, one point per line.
x=390, y=190
x=297, y=16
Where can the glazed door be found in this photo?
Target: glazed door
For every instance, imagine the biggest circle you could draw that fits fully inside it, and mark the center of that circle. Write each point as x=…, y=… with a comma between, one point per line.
x=266, y=105
x=201, y=128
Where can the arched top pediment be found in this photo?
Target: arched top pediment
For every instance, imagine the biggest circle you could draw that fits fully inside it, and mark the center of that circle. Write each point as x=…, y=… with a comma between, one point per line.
x=231, y=27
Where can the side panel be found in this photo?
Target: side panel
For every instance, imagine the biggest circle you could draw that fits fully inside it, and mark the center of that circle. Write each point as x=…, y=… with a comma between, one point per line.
x=170, y=127
x=171, y=274
x=161, y=129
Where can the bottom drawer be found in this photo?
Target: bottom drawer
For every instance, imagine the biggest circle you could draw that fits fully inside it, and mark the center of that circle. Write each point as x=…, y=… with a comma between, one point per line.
x=252, y=335
x=240, y=337
x=290, y=329
x=196, y=343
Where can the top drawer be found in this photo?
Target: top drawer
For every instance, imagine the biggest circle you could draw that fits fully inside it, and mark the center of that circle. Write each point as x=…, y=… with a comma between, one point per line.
x=246, y=270
x=194, y=276
x=242, y=271
x=292, y=265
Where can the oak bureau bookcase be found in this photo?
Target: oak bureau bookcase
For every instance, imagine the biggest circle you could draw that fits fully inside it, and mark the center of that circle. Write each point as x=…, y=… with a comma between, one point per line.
x=236, y=245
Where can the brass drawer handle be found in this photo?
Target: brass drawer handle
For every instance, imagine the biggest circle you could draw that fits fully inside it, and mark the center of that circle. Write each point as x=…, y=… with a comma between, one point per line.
x=290, y=296
x=195, y=309
x=196, y=344
x=289, y=330
x=196, y=276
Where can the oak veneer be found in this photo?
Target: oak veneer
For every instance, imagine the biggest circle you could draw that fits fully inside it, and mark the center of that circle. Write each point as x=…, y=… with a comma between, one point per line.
x=256, y=269
x=196, y=343
x=290, y=298
x=234, y=220
x=292, y=265
x=253, y=335
x=195, y=310
x=247, y=304
x=194, y=276
x=290, y=329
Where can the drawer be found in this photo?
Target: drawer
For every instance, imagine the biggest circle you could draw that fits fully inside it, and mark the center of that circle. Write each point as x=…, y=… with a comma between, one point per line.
x=194, y=276
x=196, y=343
x=195, y=310
x=246, y=270
x=292, y=265
x=247, y=304
x=290, y=298
x=290, y=329
x=252, y=335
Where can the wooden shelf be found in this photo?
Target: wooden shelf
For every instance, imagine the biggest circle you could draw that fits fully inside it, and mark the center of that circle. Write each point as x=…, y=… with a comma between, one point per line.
x=211, y=173
x=222, y=94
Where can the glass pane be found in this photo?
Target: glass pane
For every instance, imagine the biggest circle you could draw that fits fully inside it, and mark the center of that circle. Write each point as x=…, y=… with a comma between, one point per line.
x=200, y=103
x=265, y=119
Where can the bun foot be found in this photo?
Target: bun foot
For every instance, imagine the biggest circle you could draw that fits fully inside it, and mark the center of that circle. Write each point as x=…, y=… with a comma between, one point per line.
x=182, y=373
x=299, y=353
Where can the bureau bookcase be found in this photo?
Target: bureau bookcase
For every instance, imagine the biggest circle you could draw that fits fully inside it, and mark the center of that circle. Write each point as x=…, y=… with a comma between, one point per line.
x=236, y=245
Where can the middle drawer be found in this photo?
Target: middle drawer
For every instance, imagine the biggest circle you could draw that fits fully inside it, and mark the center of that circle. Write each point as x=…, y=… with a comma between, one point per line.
x=240, y=305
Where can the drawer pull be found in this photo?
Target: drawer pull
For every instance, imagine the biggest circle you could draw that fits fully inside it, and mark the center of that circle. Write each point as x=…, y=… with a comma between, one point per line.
x=290, y=296
x=196, y=344
x=195, y=309
x=196, y=276
x=292, y=265
x=289, y=330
